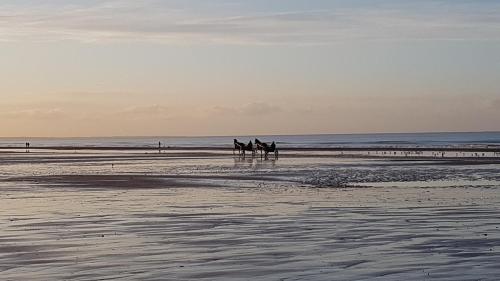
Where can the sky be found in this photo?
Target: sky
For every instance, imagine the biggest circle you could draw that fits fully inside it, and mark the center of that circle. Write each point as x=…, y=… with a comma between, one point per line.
x=72, y=68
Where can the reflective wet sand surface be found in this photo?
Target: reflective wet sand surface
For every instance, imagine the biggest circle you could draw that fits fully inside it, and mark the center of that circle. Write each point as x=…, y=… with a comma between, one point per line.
x=220, y=218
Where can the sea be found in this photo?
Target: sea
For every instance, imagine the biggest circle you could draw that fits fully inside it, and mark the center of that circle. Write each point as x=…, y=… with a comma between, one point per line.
x=454, y=139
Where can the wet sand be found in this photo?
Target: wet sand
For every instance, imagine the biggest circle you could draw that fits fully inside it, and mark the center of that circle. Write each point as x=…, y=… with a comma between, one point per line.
x=478, y=148
x=131, y=216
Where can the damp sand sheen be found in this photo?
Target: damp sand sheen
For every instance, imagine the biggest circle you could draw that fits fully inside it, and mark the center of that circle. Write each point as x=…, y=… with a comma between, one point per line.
x=206, y=214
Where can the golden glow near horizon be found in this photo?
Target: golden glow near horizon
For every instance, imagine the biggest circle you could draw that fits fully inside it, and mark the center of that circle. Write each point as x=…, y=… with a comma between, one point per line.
x=108, y=68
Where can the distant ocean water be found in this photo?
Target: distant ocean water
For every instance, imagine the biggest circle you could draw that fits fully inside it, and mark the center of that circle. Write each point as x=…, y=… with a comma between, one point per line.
x=323, y=141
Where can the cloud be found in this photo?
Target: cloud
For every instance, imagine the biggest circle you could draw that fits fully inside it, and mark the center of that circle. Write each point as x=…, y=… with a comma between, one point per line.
x=144, y=112
x=223, y=110
x=496, y=104
x=249, y=110
x=327, y=114
x=177, y=22
x=259, y=109
x=34, y=114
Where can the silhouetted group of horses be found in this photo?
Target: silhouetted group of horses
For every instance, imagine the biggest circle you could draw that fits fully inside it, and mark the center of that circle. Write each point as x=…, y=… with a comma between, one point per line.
x=259, y=146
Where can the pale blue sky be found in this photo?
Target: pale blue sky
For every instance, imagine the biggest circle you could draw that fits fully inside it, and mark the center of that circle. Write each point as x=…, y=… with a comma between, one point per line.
x=204, y=67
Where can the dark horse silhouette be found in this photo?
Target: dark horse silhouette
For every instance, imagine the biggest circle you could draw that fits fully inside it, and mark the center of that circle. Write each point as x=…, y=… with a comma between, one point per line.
x=249, y=147
x=242, y=147
x=264, y=147
x=238, y=146
x=259, y=145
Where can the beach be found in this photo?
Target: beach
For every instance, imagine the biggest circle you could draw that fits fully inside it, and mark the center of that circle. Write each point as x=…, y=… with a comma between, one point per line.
x=234, y=140
x=212, y=215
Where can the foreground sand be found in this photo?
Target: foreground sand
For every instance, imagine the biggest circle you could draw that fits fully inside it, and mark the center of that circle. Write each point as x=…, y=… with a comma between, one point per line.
x=131, y=217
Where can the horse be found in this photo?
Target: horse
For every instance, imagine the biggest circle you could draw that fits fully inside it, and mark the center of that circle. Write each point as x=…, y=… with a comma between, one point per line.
x=248, y=147
x=262, y=146
x=238, y=145
x=259, y=145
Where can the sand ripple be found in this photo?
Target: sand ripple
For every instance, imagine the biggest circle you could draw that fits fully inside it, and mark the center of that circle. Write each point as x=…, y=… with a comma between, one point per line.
x=242, y=234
